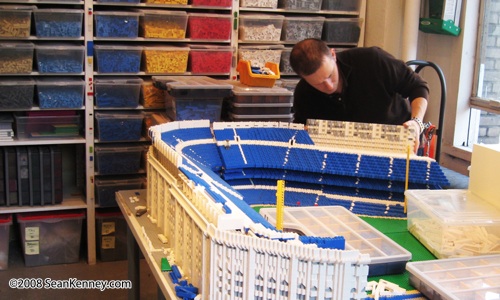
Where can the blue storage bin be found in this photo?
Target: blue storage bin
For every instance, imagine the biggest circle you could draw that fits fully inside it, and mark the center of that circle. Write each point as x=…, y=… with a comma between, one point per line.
x=116, y=24
x=119, y=126
x=106, y=189
x=56, y=23
x=117, y=92
x=111, y=160
x=118, y=59
x=60, y=92
x=59, y=58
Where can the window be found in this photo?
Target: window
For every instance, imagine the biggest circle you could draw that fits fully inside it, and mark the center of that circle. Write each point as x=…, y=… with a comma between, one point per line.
x=484, y=126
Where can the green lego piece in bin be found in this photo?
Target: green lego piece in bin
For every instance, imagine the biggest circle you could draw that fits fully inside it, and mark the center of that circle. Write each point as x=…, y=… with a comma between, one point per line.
x=165, y=265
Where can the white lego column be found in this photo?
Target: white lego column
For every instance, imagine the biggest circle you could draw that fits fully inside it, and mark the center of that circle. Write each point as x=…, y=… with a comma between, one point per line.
x=484, y=174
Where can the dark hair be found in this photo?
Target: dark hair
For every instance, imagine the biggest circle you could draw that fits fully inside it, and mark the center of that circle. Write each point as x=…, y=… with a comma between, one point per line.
x=307, y=56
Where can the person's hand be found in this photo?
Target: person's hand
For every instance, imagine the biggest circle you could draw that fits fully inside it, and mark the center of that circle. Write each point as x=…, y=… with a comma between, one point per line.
x=412, y=124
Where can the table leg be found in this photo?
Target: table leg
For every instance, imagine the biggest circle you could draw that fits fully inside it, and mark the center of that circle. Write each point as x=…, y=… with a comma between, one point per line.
x=133, y=266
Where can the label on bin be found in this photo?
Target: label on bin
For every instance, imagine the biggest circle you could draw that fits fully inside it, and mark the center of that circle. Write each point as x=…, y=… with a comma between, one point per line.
x=32, y=233
x=108, y=242
x=32, y=248
x=107, y=228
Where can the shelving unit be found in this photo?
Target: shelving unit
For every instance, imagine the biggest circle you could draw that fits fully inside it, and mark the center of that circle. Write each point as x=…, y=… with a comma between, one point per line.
x=79, y=155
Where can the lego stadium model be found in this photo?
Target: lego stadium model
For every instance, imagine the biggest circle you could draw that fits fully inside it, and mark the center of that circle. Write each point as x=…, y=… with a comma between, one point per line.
x=204, y=181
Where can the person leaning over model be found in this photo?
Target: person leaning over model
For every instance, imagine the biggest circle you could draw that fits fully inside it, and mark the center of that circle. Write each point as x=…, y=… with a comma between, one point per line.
x=365, y=84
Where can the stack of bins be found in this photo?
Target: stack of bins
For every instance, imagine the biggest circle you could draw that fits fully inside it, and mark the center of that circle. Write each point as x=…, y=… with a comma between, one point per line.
x=5, y=223
x=194, y=97
x=259, y=104
x=111, y=234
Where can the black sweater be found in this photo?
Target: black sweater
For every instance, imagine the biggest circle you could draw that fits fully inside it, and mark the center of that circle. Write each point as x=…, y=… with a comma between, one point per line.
x=376, y=88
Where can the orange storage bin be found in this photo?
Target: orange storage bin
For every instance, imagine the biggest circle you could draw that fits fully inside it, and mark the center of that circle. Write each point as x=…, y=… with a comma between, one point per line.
x=251, y=79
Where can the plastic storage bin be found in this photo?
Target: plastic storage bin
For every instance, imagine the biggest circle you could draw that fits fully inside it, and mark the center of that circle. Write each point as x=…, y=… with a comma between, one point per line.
x=50, y=238
x=113, y=159
x=60, y=92
x=179, y=2
x=164, y=24
x=260, y=27
x=342, y=30
x=118, y=58
x=5, y=222
x=165, y=59
x=195, y=97
x=457, y=278
x=258, y=55
x=60, y=58
x=453, y=223
x=341, y=5
x=296, y=29
x=311, y=5
x=285, y=66
x=111, y=24
x=16, y=93
x=118, y=1
x=58, y=23
x=15, y=20
x=152, y=96
x=210, y=59
x=216, y=3
x=260, y=118
x=251, y=79
x=204, y=26
x=387, y=257
x=111, y=235
x=119, y=126
x=47, y=127
x=117, y=92
x=259, y=3
x=261, y=95
x=106, y=189
x=16, y=58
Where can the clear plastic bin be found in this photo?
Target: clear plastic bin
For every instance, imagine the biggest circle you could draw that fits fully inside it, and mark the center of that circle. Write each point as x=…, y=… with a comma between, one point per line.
x=296, y=29
x=261, y=95
x=111, y=235
x=111, y=24
x=342, y=30
x=15, y=20
x=107, y=187
x=387, y=257
x=17, y=93
x=58, y=23
x=258, y=55
x=453, y=223
x=60, y=92
x=117, y=159
x=457, y=278
x=50, y=238
x=307, y=5
x=216, y=3
x=165, y=59
x=59, y=58
x=117, y=92
x=341, y=5
x=175, y=2
x=260, y=27
x=16, y=58
x=47, y=127
x=118, y=58
x=5, y=223
x=119, y=126
x=259, y=3
x=205, y=26
x=285, y=66
x=210, y=59
x=152, y=96
x=162, y=24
